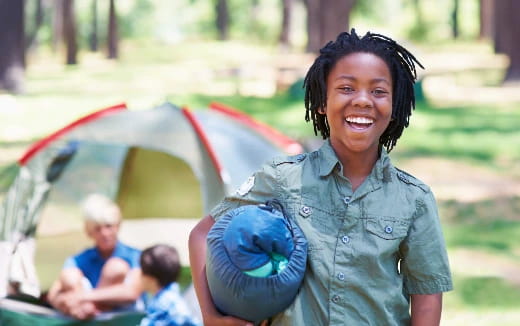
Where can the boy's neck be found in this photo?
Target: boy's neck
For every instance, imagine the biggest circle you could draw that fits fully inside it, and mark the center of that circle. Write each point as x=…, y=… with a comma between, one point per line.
x=357, y=167
x=156, y=288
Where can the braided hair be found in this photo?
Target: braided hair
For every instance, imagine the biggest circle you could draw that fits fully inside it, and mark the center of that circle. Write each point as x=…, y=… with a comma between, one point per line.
x=400, y=62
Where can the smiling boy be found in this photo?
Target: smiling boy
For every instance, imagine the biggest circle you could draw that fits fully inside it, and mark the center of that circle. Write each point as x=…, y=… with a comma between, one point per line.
x=376, y=253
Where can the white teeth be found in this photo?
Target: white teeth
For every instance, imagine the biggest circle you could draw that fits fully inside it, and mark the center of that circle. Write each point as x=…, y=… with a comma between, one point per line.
x=360, y=120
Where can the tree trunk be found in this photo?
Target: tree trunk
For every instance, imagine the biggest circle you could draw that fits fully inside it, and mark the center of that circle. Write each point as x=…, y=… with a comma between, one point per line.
x=313, y=25
x=112, y=31
x=57, y=24
x=222, y=19
x=12, y=43
x=93, y=38
x=486, y=19
x=325, y=20
x=286, y=23
x=69, y=32
x=502, y=30
x=509, y=36
x=455, y=19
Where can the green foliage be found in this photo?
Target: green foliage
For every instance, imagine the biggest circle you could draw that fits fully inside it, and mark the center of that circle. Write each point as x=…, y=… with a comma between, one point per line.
x=138, y=22
x=184, y=277
x=496, y=235
x=477, y=134
x=255, y=20
x=487, y=292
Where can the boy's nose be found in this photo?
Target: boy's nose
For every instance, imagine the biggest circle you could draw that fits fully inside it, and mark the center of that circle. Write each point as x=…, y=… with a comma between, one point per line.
x=362, y=100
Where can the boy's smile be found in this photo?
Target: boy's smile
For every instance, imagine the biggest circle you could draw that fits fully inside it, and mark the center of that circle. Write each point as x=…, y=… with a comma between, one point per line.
x=359, y=103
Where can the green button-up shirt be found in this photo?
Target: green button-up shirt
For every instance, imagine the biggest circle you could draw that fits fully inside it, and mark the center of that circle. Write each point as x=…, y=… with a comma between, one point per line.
x=368, y=250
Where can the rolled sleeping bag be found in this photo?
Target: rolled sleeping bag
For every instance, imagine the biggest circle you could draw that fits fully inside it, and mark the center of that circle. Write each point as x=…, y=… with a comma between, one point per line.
x=255, y=262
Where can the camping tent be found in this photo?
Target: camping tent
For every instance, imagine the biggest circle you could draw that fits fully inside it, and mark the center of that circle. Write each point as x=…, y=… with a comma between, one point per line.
x=160, y=162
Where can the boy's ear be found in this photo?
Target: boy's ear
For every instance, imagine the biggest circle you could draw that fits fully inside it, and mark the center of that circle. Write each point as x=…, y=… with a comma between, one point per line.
x=322, y=110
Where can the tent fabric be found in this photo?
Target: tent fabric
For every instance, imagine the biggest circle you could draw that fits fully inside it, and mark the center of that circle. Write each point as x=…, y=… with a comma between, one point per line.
x=122, y=153
x=103, y=147
x=239, y=294
x=19, y=313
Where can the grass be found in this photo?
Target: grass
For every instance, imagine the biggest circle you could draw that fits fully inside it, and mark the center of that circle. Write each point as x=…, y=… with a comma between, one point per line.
x=481, y=235
x=487, y=292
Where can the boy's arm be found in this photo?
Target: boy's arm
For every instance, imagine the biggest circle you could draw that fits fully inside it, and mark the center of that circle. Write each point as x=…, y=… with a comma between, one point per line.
x=197, y=247
x=426, y=309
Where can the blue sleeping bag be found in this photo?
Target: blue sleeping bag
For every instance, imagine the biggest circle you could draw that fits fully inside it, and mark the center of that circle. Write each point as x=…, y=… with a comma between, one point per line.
x=255, y=262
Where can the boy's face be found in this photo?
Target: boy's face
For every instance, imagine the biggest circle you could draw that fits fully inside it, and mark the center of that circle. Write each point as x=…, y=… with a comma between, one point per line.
x=359, y=103
x=104, y=235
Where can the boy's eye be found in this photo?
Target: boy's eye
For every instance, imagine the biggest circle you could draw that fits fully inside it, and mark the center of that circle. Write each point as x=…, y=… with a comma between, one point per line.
x=347, y=89
x=379, y=92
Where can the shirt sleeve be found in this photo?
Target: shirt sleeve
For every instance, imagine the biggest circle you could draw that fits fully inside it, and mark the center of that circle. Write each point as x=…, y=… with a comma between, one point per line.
x=424, y=263
x=134, y=262
x=70, y=262
x=257, y=189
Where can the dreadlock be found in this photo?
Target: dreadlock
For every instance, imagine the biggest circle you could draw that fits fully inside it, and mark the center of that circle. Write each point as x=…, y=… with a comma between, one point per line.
x=400, y=62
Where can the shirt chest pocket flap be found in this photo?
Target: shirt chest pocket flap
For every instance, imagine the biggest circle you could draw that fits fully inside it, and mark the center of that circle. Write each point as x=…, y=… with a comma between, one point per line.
x=388, y=228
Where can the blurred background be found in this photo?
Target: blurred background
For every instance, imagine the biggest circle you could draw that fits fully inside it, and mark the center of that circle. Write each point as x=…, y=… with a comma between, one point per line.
x=61, y=59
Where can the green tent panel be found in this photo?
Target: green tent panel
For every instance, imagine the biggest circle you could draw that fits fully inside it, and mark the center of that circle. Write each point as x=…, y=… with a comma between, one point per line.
x=146, y=192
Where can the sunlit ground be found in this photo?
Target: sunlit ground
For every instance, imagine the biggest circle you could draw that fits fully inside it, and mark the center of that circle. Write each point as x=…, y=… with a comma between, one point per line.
x=464, y=141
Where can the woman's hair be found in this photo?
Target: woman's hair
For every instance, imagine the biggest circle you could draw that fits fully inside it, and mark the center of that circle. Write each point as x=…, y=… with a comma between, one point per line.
x=162, y=263
x=400, y=62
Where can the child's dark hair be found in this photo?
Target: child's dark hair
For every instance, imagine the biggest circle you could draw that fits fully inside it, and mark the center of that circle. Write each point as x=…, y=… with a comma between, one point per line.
x=400, y=62
x=162, y=263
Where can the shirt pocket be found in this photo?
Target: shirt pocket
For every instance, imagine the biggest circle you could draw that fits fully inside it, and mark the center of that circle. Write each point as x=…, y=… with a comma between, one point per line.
x=383, y=236
x=388, y=228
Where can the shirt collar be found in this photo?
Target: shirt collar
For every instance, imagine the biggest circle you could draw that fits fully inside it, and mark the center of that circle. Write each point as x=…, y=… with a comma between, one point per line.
x=382, y=167
x=116, y=250
x=172, y=287
x=328, y=161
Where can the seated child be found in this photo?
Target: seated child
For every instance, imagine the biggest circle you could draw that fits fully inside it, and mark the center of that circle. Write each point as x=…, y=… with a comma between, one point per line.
x=160, y=268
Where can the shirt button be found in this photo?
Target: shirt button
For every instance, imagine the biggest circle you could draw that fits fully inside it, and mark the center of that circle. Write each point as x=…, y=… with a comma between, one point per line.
x=389, y=229
x=346, y=199
x=341, y=276
x=345, y=239
x=335, y=299
x=305, y=211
